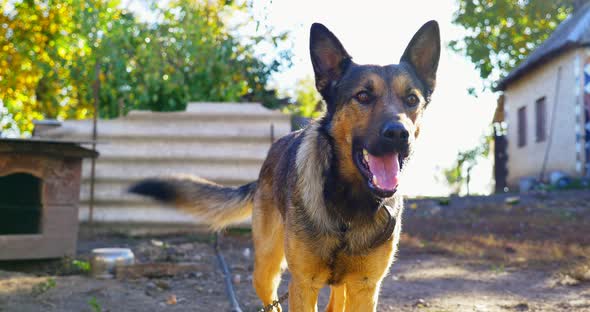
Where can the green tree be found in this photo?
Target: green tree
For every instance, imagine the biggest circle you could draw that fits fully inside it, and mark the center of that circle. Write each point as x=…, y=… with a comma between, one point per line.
x=308, y=102
x=501, y=33
x=459, y=174
x=37, y=43
x=53, y=52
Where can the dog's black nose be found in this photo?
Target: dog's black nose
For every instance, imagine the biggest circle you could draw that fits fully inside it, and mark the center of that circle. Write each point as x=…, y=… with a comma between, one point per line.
x=395, y=131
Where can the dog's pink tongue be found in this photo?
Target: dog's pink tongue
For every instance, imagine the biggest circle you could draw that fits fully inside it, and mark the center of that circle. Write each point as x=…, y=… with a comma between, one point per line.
x=385, y=171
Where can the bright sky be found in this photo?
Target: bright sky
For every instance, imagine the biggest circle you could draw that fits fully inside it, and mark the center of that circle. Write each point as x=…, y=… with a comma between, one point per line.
x=377, y=32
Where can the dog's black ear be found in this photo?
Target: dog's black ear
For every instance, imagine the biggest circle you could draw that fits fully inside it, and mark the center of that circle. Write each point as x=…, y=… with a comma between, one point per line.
x=423, y=53
x=328, y=56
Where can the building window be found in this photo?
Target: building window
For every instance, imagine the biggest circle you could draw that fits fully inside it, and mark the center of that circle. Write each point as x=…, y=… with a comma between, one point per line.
x=522, y=126
x=541, y=120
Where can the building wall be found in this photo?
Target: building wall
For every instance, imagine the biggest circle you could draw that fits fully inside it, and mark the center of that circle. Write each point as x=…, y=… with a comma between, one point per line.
x=527, y=161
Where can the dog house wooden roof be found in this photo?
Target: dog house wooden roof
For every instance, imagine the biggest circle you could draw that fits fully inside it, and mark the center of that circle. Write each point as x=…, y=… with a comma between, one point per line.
x=59, y=148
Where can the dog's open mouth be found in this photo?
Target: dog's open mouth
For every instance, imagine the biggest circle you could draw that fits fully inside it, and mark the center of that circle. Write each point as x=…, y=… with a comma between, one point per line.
x=381, y=172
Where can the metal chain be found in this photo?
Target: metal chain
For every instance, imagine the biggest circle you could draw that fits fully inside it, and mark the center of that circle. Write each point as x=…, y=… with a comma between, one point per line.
x=275, y=304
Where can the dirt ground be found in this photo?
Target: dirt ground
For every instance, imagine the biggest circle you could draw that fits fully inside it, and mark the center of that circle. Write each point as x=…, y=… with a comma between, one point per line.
x=532, y=255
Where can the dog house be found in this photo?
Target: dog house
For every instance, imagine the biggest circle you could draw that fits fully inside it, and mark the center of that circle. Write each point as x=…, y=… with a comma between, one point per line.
x=39, y=193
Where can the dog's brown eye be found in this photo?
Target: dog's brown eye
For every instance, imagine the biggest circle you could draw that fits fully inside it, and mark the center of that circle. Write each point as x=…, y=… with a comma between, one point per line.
x=412, y=100
x=363, y=97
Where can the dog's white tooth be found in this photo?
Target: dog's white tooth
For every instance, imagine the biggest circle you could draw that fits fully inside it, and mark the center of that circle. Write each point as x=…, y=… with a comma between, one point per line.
x=375, y=181
x=366, y=155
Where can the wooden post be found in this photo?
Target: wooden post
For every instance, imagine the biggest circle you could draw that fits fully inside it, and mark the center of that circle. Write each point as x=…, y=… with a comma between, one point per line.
x=94, y=135
x=272, y=133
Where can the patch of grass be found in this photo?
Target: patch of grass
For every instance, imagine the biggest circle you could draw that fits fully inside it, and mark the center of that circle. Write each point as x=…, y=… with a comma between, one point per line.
x=444, y=201
x=68, y=266
x=498, y=268
x=43, y=287
x=94, y=305
x=239, y=231
x=564, y=184
x=83, y=266
x=513, y=200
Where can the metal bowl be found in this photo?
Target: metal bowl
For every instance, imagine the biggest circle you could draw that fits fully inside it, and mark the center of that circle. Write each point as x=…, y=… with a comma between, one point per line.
x=104, y=261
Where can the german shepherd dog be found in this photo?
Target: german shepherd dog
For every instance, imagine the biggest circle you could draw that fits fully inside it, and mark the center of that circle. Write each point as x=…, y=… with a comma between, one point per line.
x=326, y=200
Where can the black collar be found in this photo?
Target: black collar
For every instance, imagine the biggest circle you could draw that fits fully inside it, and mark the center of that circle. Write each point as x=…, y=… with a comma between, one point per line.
x=387, y=232
x=384, y=236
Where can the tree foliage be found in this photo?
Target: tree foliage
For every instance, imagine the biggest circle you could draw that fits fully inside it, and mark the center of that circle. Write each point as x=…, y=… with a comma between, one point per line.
x=38, y=49
x=501, y=33
x=308, y=102
x=459, y=174
x=53, y=52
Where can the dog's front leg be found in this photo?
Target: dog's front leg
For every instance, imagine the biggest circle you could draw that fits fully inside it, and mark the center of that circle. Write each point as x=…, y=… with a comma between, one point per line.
x=303, y=296
x=308, y=274
x=362, y=296
x=337, y=298
x=362, y=286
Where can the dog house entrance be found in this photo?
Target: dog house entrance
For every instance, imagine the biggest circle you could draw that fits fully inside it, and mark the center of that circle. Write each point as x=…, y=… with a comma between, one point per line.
x=20, y=204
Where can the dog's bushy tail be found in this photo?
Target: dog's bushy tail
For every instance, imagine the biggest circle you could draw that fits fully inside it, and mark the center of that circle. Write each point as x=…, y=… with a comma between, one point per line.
x=217, y=205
